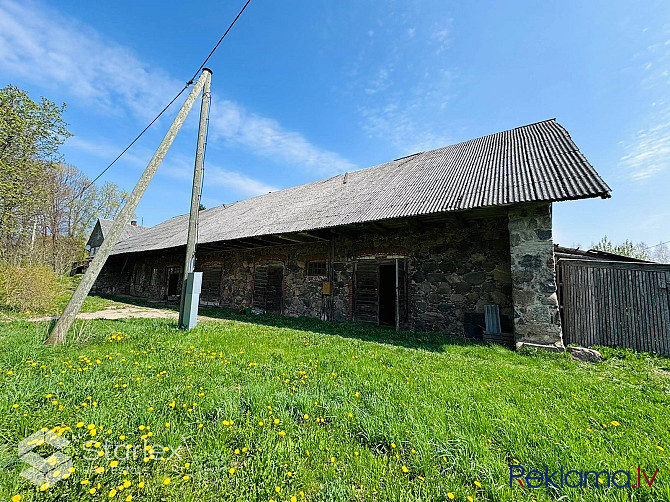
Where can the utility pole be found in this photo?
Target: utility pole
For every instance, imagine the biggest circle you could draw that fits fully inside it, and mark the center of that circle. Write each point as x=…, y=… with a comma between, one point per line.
x=59, y=332
x=190, y=291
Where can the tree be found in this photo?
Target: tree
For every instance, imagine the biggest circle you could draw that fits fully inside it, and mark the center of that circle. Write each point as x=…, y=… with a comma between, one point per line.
x=627, y=248
x=30, y=135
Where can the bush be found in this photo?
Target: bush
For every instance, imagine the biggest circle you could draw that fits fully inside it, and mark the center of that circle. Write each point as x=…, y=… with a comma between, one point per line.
x=28, y=288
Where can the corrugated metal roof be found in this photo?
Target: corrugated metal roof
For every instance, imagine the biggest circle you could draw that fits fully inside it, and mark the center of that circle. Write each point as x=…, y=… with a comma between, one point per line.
x=537, y=162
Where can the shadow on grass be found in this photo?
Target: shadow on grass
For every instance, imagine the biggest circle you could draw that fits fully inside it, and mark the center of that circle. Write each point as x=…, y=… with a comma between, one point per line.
x=426, y=340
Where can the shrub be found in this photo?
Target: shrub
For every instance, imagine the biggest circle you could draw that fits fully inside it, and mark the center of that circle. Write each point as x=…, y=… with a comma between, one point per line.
x=28, y=288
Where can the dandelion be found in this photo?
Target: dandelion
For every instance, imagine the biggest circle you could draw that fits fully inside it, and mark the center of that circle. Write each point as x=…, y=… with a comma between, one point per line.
x=79, y=425
x=450, y=495
x=187, y=465
x=129, y=498
x=92, y=491
x=294, y=499
x=112, y=493
x=478, y=484
x=282, y=433
x=405, y=469
x=306, y=417
x=276, y=421
x=277, y=489
x=186, y=477
x=615, y=423
x=393, y=445
x=231, y=470
x=16, y=498
x=660, y=448
x=332, y=460
x=470, y=499
x=114, y=463
x=166, y=481
x=15, y=405
x=140, y=484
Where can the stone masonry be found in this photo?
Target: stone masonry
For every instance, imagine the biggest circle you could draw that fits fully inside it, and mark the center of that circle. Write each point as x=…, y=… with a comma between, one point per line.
x=454, y=268
x=536, y=312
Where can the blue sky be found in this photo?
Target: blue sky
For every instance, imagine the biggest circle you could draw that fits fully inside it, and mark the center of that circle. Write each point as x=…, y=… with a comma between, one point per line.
x=305, y=90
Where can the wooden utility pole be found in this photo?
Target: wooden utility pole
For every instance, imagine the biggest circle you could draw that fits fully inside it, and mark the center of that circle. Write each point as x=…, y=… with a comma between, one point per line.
x=59, y=332
x=191, y=242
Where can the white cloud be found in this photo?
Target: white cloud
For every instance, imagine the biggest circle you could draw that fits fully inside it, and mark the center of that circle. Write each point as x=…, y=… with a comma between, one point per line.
x=266, y=137
x=648, y=154
x=44, y=47
x=181, y=168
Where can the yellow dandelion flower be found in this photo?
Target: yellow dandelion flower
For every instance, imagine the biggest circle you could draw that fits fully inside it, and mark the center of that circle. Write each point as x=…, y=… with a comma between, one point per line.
x=276, y=421
x=112, y=493
x=615, y=423
x=186, y=477
x=478, y=484
x=405, y=469
x=450, y=495
x=231, y=470
x=277, y=489
x=16, y=498
x=306, y=417
x=129, y=498
x=660, y=448
x=166, y=481
x=187, y=465
x=140, y=484
x=92, y=491
x=332, y=460
x=113, y=463
x=470, y=499
x=282, y=433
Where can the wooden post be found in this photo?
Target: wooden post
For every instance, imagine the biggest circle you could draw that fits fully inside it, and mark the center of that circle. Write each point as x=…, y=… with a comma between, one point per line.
x=189, y=264
x=59, y=332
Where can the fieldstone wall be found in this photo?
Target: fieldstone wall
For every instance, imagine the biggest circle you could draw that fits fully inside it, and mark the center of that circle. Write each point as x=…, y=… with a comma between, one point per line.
x=454, y=268
x=536, y=313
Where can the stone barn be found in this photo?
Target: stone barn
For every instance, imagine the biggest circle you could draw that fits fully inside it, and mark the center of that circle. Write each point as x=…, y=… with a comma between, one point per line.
x=424, y=242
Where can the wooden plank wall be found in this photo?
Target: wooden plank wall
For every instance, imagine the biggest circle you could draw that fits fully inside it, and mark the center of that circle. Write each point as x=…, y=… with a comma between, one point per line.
x=615, y=304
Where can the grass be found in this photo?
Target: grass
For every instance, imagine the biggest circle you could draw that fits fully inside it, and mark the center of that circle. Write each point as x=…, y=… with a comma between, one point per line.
x=280, y=408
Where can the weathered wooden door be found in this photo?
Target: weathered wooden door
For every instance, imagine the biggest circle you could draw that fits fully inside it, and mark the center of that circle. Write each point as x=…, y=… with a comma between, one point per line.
x=211, y=286
x=269, y=287
x=366, y=292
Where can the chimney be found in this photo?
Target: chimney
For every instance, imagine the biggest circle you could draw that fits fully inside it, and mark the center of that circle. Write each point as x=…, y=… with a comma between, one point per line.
x=133, y=223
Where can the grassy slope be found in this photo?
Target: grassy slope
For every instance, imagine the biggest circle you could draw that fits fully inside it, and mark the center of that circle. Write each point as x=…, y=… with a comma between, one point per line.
x=451, y=413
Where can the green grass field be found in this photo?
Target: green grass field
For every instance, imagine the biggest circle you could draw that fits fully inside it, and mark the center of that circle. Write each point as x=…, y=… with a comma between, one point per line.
x=283, y=409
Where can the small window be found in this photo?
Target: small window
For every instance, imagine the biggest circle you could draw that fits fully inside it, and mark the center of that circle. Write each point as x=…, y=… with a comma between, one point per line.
x=316, y=267
x=154, y=276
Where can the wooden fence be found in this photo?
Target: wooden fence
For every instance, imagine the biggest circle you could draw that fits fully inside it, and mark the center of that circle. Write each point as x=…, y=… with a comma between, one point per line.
x=615, y=304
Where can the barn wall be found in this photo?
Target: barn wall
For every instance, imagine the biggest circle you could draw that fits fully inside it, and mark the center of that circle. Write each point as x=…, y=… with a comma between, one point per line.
x=454, y=269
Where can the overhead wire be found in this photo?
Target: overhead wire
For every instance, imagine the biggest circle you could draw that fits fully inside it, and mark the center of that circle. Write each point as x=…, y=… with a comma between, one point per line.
x=186, y=86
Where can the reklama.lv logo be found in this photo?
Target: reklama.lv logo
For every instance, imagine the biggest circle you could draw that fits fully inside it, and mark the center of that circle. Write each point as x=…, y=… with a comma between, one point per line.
x=578, y=479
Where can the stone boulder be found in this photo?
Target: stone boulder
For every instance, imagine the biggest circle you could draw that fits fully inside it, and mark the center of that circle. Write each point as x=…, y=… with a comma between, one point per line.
x=584, y=354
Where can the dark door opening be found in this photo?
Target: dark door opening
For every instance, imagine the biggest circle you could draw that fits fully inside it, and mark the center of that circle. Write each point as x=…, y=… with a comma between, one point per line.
x=387, y=295
x=173, y=284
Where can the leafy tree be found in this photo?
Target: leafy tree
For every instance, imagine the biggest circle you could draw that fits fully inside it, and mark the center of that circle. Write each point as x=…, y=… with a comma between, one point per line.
x=626, y=248
x=30, y=135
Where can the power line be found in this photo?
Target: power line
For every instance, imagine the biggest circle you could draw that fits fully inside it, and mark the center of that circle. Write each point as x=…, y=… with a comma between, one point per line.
x=186, y=86
x=656, y=245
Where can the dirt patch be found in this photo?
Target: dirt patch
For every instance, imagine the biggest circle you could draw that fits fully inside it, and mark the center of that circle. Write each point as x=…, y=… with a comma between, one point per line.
x=130, y=312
